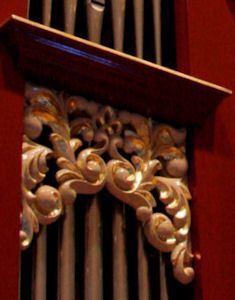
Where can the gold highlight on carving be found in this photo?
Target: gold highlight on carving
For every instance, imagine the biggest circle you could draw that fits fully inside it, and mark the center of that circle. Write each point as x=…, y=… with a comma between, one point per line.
x=96, y=146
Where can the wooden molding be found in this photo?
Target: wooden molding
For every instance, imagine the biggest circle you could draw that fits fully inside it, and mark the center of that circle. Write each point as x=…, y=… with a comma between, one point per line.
x=57, y=59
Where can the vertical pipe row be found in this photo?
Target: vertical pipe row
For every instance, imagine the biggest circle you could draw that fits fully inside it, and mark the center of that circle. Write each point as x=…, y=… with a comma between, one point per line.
x=70, y=8
x=157, y=30
x=93, y=251
x=120, y=283
x=46, y=12
x=95, y=13
x=93, y=268
x=120, y=287
x=158, y=57
x=93, y=226
x=40, y=284
x=139, y=26
x=162, y=274
x=67, y=256
x=41, y=266
x=118, y=13
x=143, y=272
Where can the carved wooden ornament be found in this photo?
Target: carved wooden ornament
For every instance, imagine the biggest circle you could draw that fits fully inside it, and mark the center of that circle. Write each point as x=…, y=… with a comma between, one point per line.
x=96, y=146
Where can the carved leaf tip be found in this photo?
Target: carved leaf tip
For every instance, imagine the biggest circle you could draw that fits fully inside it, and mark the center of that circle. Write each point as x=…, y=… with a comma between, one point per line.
x=97, y=146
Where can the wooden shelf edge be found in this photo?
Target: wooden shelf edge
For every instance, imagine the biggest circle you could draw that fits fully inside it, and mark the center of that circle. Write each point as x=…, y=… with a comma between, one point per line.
x=60, y=60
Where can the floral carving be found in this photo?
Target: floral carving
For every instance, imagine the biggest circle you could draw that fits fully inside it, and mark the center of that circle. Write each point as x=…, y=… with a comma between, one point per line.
x=96, y=146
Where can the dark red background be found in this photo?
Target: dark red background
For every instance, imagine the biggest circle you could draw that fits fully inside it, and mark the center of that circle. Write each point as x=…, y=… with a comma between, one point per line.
x=11, y=109
x=206, y=49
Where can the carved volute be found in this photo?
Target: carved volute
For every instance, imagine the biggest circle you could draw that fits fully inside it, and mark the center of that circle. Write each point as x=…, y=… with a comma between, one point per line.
x=97, y=146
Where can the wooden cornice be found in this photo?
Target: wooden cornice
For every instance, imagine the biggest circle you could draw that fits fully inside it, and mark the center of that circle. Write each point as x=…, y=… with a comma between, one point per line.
x=62, y=61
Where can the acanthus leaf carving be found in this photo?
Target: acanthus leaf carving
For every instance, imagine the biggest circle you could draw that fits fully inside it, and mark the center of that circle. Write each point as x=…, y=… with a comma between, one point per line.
x=95, y=146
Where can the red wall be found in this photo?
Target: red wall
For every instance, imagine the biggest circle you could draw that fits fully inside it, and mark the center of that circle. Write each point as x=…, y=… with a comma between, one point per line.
x=11, y=109
x=205, y=33
x=17, y=7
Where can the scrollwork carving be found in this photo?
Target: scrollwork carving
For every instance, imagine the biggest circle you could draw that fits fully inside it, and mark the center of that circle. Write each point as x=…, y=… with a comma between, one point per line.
x=95, y=146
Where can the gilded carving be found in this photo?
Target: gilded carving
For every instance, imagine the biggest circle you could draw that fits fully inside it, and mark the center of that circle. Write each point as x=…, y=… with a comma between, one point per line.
x=96, y=146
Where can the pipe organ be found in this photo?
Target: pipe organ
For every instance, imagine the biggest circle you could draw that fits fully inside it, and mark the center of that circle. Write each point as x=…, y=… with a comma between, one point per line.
x=115, y=180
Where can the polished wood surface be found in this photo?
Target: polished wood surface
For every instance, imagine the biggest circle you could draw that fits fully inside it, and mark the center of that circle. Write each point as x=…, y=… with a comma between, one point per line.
x=61, y=60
